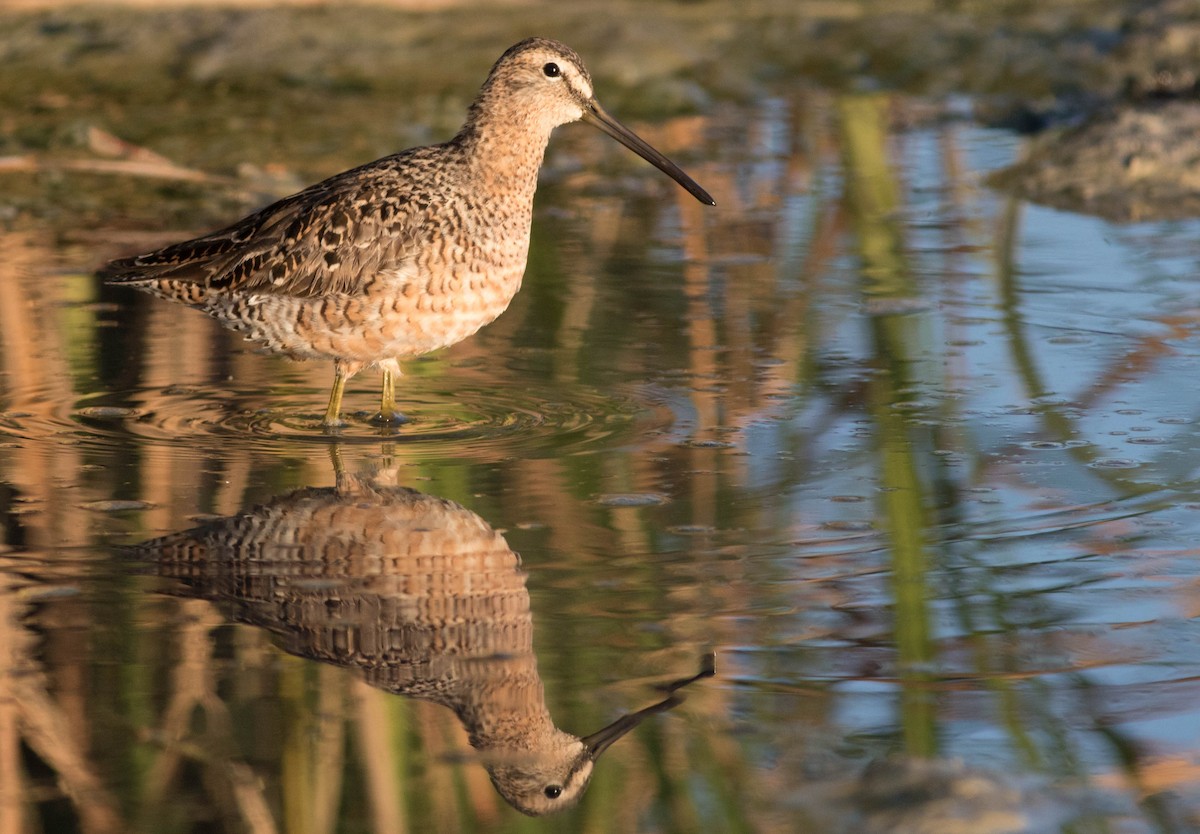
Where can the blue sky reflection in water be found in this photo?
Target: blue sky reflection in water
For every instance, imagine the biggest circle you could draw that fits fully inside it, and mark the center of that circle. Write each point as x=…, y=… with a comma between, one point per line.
x=917, y=462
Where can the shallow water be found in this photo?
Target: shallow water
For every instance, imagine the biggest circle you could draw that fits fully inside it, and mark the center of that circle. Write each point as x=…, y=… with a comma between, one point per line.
x=916, y=462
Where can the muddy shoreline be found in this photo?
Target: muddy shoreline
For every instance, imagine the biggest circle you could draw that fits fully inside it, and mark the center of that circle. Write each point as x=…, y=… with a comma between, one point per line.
x=277, y=96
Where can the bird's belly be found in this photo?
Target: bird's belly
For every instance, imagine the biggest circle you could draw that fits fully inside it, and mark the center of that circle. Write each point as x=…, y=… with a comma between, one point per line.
x=395, y=318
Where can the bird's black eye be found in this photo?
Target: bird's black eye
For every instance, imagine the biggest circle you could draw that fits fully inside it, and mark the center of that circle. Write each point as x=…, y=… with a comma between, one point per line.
x=551, y=69
x=552, y=791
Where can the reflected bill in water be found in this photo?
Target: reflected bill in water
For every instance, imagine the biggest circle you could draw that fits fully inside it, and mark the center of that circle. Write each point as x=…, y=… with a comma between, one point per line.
x=419, y=595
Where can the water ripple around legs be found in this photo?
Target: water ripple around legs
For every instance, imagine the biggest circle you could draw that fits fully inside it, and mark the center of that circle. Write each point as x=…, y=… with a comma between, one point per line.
x=478, y=423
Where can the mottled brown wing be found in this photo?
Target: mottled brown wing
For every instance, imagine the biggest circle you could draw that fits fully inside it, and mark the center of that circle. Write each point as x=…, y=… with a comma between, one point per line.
x=330, y=238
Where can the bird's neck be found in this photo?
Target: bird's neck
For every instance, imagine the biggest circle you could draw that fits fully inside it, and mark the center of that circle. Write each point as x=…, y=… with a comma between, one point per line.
x=502, y=704
x=504, y=150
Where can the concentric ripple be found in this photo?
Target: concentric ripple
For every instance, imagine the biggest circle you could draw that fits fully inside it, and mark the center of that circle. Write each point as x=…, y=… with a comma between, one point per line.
x=476, y=423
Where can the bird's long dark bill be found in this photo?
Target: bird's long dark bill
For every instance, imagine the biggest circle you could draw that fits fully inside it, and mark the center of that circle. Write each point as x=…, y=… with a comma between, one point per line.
x=601, y=740
x=594, y=114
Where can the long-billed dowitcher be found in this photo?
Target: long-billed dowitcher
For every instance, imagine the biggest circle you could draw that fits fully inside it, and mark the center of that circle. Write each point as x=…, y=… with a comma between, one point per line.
x=402, y=256
x=421, y=597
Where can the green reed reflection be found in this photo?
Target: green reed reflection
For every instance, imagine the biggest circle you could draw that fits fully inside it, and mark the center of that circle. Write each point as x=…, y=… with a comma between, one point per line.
x=843, y=429
x=898, y=345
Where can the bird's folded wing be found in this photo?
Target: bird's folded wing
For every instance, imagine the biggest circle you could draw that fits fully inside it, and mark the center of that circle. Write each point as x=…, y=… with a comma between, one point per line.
x=331, y=238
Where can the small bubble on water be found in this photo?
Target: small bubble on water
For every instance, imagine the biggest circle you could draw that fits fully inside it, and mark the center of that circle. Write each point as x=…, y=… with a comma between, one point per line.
x=631, y=499
x=106, y=412
x=847, y=526
x=116, y=506
x=912, y=405
x=707, y=444
x=1114, y=463
x=1051, y=399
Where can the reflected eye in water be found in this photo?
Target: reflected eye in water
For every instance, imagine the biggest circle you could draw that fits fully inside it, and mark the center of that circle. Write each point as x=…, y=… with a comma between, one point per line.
x=420, y=596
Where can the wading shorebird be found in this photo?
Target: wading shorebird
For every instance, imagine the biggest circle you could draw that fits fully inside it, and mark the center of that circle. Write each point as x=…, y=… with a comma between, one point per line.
x=410, y=253
x=421, y=597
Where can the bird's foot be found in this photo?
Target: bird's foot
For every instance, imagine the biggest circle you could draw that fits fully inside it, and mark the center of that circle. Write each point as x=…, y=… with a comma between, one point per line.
x=391, y=418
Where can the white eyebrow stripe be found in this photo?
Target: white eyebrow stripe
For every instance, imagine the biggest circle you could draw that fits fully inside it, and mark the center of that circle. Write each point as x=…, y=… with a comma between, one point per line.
x=584, y=94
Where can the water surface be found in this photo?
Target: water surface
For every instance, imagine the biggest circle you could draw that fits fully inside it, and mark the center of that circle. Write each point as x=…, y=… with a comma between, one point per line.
x=916, y=462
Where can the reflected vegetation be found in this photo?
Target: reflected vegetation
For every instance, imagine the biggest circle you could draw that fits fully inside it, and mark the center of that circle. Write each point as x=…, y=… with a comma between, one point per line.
x=916, y=459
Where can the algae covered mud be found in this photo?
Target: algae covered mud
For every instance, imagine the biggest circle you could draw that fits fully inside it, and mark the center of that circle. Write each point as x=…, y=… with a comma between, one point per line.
x=913, y=459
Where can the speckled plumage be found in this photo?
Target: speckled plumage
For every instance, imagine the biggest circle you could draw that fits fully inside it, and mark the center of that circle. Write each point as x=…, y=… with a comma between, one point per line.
x=404, y=255
x=417, y=594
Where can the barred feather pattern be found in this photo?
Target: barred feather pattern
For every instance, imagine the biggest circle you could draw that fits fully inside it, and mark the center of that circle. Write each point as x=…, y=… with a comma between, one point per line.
x=416, y=594
x=410, y=253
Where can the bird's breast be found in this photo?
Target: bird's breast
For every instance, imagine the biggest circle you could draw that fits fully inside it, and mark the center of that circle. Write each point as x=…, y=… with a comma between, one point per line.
x=460, y=270
x=400, y=313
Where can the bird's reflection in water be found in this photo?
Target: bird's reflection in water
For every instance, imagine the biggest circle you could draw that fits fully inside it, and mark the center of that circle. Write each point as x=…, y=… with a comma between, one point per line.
x=417, y=593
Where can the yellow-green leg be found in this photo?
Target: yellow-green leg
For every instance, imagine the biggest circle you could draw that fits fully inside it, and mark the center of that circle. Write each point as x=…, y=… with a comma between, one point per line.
x=335, y=458
x=387, y=401
x=341, y=373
